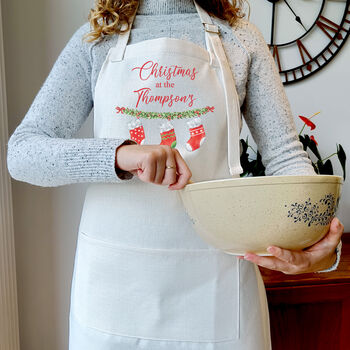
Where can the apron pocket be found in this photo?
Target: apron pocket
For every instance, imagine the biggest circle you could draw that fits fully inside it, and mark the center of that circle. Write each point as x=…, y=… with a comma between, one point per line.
x=162, y=294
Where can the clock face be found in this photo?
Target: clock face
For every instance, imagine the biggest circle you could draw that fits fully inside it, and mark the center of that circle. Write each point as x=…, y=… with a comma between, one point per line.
x=303, y=35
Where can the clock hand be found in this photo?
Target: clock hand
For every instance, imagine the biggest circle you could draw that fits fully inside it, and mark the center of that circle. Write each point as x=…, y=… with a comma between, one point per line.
x=273, y=22
x=297, y=18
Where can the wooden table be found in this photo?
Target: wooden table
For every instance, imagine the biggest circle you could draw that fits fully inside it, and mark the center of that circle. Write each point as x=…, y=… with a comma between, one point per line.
x=311, y=311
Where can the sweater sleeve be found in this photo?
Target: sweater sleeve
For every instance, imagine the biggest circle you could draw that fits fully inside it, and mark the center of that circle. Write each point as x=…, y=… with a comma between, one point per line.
x=337, y=260
x=268, y=114
x=41, y=150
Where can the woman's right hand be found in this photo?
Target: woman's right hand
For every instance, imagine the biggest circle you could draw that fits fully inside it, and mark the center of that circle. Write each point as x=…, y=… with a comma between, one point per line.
x=149, y=163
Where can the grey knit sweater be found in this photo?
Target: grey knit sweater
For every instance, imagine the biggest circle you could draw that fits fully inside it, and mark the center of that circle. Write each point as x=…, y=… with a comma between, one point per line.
x=43, y=151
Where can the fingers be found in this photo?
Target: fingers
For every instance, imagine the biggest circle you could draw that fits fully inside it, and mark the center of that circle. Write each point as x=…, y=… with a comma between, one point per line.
x=160, y=167
x=155, y=160
x=269, y=262
x=288, y=256
x=335, y=232
x=149, y=167
x=332, y=238
x=164, y=175
x=184, y=173
x=170, y=173
x=316, y=258
x=284, y=260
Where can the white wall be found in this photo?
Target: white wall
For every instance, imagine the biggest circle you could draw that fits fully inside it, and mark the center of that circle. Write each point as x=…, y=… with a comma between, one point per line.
x=46, y=220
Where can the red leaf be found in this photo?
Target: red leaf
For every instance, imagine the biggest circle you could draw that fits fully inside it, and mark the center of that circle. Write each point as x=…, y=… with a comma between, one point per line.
x=308, y=122
x=313, y=139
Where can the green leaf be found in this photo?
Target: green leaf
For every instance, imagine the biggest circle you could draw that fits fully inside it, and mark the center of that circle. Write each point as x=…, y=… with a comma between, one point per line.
x=254, y=167
x=244, y=146
x=319, y=166
x=244, y=161
x=315, y=168
x=342, y=158
x=244, y=174
x=244, y=156
x=307, y=140
x=326, y=168
x=303, y=141
x=312, y=145
x=259, y=168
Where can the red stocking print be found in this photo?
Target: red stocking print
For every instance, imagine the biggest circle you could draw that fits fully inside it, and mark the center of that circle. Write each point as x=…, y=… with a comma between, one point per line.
x=167, y=134
x=197, y=134
x=137, y=132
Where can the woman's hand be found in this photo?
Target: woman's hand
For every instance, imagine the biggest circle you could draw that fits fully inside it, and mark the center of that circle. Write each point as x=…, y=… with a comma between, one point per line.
x=320, y=256
x=149, y=163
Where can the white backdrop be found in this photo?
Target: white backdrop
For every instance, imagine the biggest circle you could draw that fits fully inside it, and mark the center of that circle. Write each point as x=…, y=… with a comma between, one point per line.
x=46, y=219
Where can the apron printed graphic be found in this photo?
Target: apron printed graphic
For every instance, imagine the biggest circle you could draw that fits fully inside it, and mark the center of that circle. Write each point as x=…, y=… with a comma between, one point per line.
x=137, y=133
x=197, y=134
x=167, y=132
x=162, y=77
x=152, y=70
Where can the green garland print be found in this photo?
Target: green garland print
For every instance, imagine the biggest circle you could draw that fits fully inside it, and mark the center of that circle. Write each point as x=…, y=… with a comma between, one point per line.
x=165, y=115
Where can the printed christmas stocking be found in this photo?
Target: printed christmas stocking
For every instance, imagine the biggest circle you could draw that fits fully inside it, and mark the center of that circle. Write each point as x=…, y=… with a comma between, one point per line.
x=137, y=132
x=197, y=134
x=167, y=134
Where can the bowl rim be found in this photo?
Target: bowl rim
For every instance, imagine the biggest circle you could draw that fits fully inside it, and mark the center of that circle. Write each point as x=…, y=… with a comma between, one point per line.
x=263, y=181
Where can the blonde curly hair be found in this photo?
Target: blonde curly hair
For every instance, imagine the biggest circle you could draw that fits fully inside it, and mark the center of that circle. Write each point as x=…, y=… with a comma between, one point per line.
x=108, y=16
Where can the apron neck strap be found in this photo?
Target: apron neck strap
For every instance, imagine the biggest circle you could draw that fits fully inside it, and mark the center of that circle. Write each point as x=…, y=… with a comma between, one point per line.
x=123, y=38
x=206, y=20
x=215, y=49
x=210, y=28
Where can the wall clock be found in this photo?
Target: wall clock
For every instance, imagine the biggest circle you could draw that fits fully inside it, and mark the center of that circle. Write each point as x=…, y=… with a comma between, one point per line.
x=304, y=35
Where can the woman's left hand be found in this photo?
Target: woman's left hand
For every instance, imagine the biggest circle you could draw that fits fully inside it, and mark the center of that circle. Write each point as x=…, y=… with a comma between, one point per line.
x=320, y=256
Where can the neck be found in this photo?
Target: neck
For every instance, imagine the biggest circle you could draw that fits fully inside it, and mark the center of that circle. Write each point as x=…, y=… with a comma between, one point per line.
x=164, y=7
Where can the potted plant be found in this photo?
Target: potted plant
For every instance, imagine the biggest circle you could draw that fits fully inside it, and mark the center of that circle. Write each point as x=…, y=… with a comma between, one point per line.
x=255, y=167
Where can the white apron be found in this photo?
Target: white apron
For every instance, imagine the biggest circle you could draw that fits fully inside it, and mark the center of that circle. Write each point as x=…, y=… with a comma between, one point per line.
x=143, y=278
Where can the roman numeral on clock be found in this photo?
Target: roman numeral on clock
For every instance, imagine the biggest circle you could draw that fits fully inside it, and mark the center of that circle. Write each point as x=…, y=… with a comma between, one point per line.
x=302, y=50
x=327, y=26
x=276, y=56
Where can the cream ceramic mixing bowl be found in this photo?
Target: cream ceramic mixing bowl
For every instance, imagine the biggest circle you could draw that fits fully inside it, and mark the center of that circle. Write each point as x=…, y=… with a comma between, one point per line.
x=251, y=213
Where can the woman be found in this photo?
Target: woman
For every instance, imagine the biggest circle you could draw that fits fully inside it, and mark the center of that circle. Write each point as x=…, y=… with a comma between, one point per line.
x=165, y=107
